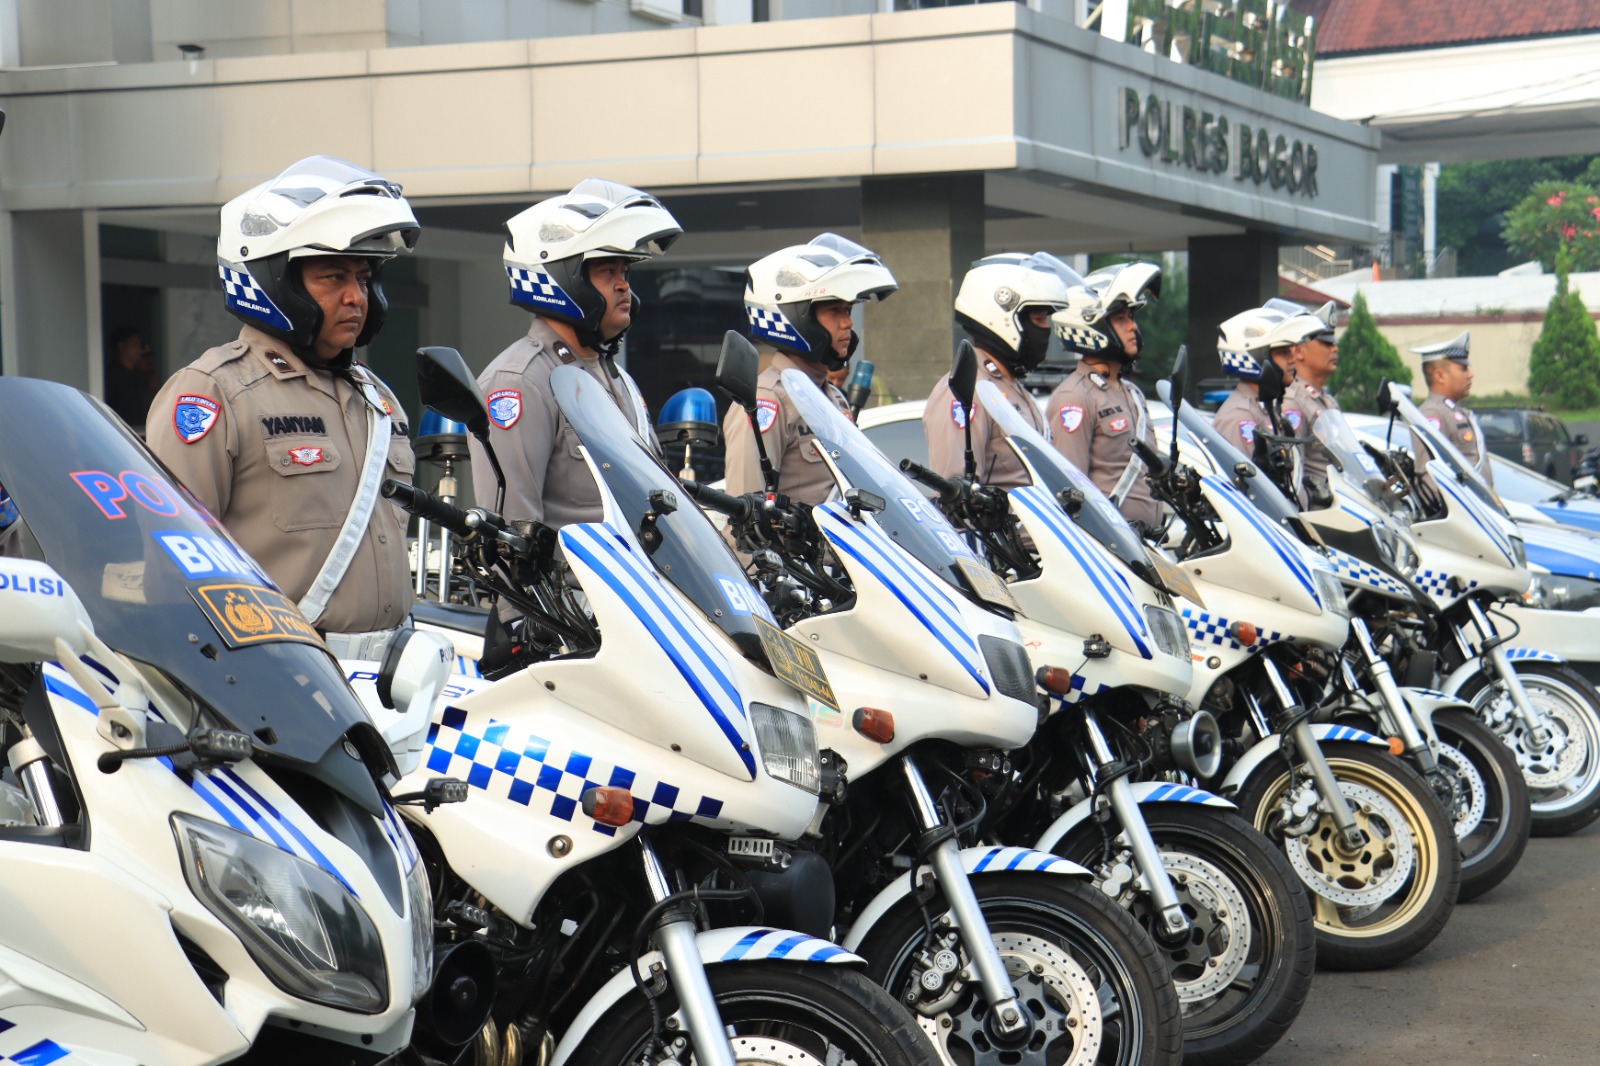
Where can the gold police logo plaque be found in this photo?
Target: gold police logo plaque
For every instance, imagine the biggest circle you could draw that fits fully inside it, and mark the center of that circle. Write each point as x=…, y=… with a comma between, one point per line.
x=249, y=614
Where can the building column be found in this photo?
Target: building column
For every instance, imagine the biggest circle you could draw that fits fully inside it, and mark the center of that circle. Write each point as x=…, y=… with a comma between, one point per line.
x=1226, y=275
x=50, y=297
x=927, y=230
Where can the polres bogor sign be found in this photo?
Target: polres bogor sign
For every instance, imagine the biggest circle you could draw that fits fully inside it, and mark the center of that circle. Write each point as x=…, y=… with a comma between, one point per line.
x=1212, y=143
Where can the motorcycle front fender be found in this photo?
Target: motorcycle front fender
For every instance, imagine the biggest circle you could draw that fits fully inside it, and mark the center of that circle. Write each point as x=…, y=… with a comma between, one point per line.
x=1452, y=685
x=1269, y=748
x=717, y=947
x=1145, y=793
x=1425, y=703
x=979, y=860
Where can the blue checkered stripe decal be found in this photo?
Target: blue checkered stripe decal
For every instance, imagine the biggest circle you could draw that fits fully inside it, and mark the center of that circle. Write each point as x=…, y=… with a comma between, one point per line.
x=240, y=292
x=1236, y=363
x=550, y=776
x=1001, y=859
x=773, y=326
x=1082, y=688
x=781, y=944
x=1437, y=585
x=1353, y=571
x=1533, y=654
x=233, y=799
x=1211, y=629
x=919, y=594
x=535, y=288
x=38, y=1053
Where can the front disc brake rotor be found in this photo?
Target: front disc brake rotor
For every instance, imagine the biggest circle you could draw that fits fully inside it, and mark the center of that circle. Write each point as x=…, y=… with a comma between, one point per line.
x=1549, y=766
x=764, y=1051
x=1361, y=879
x=1469, y=794
x=1206, y=961
x=1061, y=1002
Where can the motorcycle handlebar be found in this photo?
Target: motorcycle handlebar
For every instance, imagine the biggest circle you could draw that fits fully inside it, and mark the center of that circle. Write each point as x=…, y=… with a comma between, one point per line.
x=465, y=524
x=949, y=490
x=737, y=508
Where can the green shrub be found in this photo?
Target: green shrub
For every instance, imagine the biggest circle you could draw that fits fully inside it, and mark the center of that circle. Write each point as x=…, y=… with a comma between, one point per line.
x=1366, y=360
x=1564, y=368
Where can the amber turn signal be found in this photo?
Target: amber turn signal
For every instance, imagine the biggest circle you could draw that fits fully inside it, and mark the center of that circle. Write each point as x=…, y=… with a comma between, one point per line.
x=609, y=806
x=1244, y=632
x=874, y=724
x=1055, y=680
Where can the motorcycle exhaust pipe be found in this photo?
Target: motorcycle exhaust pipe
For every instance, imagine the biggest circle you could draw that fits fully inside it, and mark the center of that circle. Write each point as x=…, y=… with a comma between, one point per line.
x=1197, y=744
x=458, y=1001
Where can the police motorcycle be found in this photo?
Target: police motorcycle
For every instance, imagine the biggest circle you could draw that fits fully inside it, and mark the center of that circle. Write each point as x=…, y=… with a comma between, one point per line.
x=629, y=741
x=1104, y=780
x=1470, y=559
x=1362, y=829
x=1005, y=954
x=1469, y=769
x=203, y=863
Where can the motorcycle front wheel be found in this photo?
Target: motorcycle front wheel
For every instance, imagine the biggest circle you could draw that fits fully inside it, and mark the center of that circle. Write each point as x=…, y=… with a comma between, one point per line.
x=1377, y=905
x=1094, y=986
x=1489, y=805
x=1563, y=774
x=1243, y=972
x=816, y=1015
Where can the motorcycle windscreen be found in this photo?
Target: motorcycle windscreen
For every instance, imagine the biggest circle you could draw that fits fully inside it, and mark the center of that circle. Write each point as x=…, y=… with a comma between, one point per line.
x=1057, y=474
x=161, y=579
x=1259, y=489
x=1359, y=468
x=691, y=554
x=1448, y=454
x=907, y=516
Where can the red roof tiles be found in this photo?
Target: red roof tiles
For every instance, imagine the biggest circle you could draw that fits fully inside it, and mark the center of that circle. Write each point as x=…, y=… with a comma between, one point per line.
x=1352, y=26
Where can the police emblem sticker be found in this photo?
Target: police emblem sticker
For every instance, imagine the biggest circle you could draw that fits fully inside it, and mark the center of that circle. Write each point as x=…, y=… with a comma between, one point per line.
x=1433, y=421
x=1292, y=417
x=1247, y=431
x=193, y=416
x=1071, y=418
x=505, y=407
x=958, y=414
x=1117, y=425
x=766, y=413
x=307, y=456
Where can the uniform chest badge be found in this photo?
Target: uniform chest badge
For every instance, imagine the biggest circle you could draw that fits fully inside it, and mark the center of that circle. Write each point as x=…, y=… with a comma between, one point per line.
x=958, y=414
x=1292, y=417
x=505, y=407
x=306, y=456
x=193, y=416
x=766, y=413
x=1071, y=418
x=1118, y=424
x=1466, y=436
x=1433, y=421
x=1247, y=431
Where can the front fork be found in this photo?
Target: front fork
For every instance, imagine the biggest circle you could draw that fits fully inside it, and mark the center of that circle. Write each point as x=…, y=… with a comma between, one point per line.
x=674, y=938
x=1131, y=820
x=1316, y=764
x=1494, y=654
x=1396, y=712
x=973, y=928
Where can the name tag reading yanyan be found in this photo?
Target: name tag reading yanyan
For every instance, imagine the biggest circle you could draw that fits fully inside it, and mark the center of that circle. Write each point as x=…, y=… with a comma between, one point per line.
x=986, y=585
x=795, y=663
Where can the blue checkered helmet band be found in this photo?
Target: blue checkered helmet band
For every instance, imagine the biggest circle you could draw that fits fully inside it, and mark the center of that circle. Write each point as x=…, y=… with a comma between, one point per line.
x=772, y=325
x=243, y=295
x=534, y=289
x=1239, y=365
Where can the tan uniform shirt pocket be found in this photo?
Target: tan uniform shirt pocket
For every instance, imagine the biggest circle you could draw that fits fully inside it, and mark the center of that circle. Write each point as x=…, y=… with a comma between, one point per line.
x=307, y=493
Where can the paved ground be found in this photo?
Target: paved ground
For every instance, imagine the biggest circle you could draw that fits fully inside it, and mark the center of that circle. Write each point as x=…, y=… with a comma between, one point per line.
x=1514, y=978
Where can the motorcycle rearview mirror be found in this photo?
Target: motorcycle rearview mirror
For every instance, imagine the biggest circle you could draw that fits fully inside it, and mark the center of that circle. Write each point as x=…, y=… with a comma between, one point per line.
x=1385, y=399
x=445, y=384
x=738, y=372
x=964, y=385
x=1179, y=381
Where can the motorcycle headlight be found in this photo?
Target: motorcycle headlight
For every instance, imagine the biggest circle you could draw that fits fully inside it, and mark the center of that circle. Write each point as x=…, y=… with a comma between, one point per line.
x=1519, y=552
x=1331, y=592
x=301, y=926
x=788, y=746
x=1172, y=636
x=1563, y=593
x=420, y=898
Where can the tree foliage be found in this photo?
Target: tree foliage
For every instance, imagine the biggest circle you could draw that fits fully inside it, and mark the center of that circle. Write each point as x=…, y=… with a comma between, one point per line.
x=1565, y=365
x=1555, y=215
x=1475, y=198
x=1366, y=360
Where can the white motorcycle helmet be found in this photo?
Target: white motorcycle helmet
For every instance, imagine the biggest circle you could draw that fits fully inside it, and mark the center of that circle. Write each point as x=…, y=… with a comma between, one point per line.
x=319, y=206
x=1243, y=341
x=548, y=244
x=781, y=292
x=994, y=299
x=1083, y=326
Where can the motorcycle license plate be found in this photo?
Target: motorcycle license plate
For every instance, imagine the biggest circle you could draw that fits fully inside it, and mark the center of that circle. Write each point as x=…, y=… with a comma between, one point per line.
x=986, y=585
x=796, y=663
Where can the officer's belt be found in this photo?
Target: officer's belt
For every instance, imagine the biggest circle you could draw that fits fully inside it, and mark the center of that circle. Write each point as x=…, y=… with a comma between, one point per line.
x=368, y=646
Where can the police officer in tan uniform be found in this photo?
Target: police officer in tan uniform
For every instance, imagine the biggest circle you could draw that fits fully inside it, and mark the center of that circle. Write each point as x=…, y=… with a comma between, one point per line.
x=1309, y=340
x=1004, y=305
x=273, y=431
x=567, y=259
x=1095, y=414
x=1446, y=369
x=1243, y=344
x=798, y=301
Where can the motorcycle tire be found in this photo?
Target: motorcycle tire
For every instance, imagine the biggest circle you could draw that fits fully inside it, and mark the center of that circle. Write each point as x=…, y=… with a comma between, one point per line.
x=1566, y=795
x=1491, y=810
x=774, y=1012
x=1376, y=907
x=1240, y=986
x=1093, y=981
